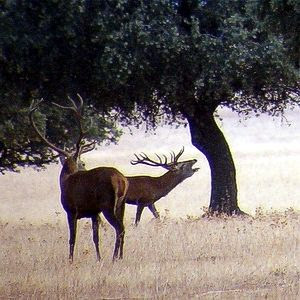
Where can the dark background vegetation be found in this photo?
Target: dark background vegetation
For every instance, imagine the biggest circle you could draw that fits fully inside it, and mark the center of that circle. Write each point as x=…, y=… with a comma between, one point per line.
x=136, y=61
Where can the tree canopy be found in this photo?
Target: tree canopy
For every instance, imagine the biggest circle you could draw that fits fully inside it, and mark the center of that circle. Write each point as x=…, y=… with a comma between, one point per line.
x=183, y=58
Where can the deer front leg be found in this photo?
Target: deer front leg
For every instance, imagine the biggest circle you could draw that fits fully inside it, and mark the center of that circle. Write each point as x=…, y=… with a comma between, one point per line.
x=153, y=210
x=72, y=228
x=95, y=225
x=139, y=211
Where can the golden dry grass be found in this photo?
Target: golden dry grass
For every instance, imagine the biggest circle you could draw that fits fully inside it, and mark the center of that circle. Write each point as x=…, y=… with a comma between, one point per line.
x=201, y=258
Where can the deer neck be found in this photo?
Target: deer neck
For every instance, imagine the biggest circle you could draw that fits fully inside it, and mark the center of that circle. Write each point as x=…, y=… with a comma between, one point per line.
x=168, y=182
x=69, y=168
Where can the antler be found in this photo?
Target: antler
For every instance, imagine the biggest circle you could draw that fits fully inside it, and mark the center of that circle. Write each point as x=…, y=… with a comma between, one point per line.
x=78, y=113
x=144, y=159
x=174, y=158
x=76, y=108
x=87, y=147
x=33, y=107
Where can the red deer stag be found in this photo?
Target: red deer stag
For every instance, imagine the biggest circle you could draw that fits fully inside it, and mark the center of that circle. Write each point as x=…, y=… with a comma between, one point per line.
x=85, y=194
x=144, y=191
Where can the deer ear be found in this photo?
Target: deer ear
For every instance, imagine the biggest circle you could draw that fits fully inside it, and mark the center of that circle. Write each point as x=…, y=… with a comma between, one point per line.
x=178, y=166
x=173, y=168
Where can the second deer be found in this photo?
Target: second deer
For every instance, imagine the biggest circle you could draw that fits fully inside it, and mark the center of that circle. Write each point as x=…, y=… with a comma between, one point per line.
x=144, y=191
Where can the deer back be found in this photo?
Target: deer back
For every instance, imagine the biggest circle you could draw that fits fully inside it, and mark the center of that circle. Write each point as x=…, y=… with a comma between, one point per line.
x=87, y=192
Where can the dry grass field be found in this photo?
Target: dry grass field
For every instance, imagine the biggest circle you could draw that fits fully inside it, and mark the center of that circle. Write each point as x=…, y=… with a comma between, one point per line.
x=183, y=256
x=174, y=259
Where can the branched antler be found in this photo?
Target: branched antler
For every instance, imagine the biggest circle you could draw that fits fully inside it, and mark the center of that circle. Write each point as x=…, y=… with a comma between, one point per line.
x=145, y=160
x=78, y=110
x=78, y=113
x=87, y=147
x=178, y=155
x=33, y=107
x=74, y=107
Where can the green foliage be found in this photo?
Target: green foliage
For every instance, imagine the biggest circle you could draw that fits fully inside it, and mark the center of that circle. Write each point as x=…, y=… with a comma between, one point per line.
x=20, y=147
x=17, y=146
x=134, y=60
x=50, y=50
x=282, y=17
x=201, y=54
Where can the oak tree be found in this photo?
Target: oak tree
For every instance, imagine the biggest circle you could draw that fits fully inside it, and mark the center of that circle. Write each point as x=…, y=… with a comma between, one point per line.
x=139, y=59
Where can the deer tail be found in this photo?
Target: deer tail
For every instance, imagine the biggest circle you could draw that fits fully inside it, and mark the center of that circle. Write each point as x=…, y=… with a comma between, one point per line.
x=120, y=185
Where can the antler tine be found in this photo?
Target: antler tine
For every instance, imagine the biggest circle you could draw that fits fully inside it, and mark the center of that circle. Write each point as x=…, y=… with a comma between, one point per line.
x=147, y=160
x=172, y=154
x=35, y=104
x=134, y=162
x=74, y=107
x=139, y=159
x=33, y=107
x=144, y=159
x=166, y=160
x=81, y=102
x=64, y=107
x=160, y=160
x=80, y=137
x=78, y=114
x=144, y=156
x=87, y=147
x=178, y=155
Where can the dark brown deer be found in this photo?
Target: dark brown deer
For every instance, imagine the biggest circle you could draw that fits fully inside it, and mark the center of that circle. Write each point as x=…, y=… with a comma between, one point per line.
x=144, y=191
x=85, y=194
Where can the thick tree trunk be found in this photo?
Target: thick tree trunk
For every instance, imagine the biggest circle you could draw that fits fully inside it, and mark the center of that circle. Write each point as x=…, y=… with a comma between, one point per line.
x=209, y=139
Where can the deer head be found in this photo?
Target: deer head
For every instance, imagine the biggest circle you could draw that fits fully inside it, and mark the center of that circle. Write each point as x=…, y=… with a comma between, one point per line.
x=80, y=163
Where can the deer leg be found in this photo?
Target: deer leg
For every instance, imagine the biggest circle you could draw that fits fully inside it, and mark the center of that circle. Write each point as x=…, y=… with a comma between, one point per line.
x=139, y=211
x=120, y=231
x=72, y=228
x=95, y=225
x=120, y=217
x=153, y=210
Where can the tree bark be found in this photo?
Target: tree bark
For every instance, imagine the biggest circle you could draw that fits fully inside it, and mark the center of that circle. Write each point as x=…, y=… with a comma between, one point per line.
x=209, y=139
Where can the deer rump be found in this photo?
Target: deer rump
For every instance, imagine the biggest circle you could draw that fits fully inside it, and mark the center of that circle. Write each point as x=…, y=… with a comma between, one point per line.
x=98, y=190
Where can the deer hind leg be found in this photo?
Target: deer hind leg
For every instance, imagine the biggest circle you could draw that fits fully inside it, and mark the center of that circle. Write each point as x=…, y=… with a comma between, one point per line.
x=95, y=225
x=72, y=220
x=120, y=217
x=153, y=210
x=138, y=215
x=118, y=225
